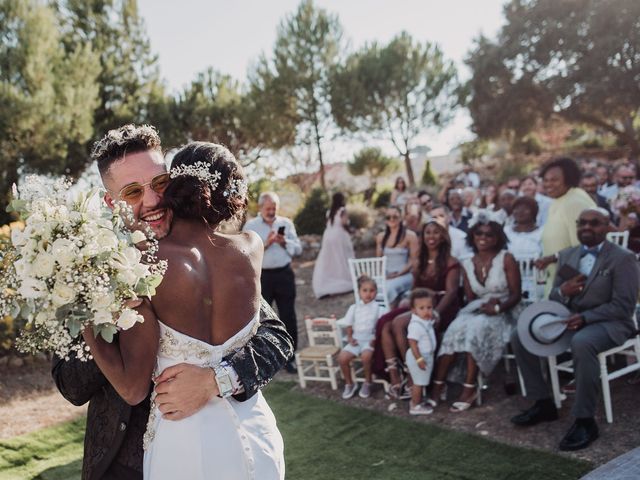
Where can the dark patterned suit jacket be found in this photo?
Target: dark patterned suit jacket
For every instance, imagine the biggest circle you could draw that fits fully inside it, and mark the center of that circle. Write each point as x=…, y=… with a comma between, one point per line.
x=110, y=419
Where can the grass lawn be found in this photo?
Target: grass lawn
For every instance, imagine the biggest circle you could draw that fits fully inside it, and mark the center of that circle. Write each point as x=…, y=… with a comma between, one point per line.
x=325, y=440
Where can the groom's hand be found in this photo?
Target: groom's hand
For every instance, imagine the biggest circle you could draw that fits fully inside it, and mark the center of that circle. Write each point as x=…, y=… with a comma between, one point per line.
x=183, y=389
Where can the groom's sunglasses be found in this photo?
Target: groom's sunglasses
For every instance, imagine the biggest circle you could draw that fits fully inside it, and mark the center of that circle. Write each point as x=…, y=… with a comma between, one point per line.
x=134, y=192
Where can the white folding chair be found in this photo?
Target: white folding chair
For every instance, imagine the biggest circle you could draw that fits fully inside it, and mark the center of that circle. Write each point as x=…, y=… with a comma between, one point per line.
x=529, y=276
x=619, y=238
x=318, y=361
x=374, y=267
x=630, y=348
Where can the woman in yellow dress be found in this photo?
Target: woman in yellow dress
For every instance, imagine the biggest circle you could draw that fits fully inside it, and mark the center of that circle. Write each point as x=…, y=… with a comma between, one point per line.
x=561, y=178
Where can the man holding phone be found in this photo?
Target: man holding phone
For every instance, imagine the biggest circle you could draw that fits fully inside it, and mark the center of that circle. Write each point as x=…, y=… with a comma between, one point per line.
x=598, y=282
x=281, y=243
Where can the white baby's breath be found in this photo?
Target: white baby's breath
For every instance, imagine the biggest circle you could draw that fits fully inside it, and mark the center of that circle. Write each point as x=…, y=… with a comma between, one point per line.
x=73, y=266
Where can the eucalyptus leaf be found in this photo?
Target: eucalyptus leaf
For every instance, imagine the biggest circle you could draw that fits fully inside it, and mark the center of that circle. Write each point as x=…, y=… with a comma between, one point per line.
x=74, y=326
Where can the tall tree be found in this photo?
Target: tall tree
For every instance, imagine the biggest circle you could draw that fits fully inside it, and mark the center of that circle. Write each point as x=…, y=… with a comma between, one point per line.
x=47, y=95
x=372, y=162
x=396, y=91
x=307, y=47
x=577, y=60
x=129, y=78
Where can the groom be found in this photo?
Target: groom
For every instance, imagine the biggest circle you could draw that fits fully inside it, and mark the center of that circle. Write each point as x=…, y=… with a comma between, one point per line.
x=132, y=168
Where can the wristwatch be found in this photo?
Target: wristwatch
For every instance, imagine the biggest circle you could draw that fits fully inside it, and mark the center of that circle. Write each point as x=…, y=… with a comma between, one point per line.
x=223, y=379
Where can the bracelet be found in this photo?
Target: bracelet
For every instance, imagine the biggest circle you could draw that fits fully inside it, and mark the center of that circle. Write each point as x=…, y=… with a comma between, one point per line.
x=419, y=359
x=496, y=308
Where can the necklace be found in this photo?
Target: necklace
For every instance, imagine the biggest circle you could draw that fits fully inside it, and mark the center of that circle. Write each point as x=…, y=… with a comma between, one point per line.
x=484, y=268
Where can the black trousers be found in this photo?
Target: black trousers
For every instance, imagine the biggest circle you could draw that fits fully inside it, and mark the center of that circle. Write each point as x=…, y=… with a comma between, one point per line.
x=279, y=284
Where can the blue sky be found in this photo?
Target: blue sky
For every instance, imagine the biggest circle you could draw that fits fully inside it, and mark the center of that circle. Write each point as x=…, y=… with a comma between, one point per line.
x=191, y=35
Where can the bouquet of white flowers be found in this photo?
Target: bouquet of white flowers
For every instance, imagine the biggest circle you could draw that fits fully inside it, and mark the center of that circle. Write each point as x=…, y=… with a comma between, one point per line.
x=75, y=265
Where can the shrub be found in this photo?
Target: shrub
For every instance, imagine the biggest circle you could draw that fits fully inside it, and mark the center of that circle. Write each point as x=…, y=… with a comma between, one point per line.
x=7, y=335
x=312, y=218
x=383, y=199
x=359, y=216
x=429, y=178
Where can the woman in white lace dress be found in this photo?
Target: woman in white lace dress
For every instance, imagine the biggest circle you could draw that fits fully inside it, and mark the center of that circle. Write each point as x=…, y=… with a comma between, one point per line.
x=481, y=330
x=207, y=305
x=331, y=273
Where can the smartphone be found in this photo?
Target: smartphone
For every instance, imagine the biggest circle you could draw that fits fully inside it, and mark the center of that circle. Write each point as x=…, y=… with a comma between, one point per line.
x=281, y=231
x=567, y=272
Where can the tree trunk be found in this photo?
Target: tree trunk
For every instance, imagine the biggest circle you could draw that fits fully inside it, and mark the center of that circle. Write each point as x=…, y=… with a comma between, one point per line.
x=407, y=164
x=323, y=184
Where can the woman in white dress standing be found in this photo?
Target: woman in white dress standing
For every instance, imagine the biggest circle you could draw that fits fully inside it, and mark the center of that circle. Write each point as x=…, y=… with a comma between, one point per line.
x=198, y=316
x=331, y=274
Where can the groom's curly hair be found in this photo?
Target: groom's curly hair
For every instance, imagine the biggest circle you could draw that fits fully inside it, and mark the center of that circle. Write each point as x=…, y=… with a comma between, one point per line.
x=123, y=141
x=193, y=198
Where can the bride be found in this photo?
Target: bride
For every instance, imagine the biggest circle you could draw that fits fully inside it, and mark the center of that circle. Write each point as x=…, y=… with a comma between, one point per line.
x=207, y=305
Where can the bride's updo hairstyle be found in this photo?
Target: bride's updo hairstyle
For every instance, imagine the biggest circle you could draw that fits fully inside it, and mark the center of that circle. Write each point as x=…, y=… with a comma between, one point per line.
x=207, y=183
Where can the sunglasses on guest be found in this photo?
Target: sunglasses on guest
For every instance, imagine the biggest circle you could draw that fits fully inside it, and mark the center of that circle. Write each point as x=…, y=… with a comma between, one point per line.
x=594, y=222
x=134, y=192
x=392, y=217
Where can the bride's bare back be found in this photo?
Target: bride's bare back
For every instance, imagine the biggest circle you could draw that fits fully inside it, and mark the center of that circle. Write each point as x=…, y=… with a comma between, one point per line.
x=211, y=289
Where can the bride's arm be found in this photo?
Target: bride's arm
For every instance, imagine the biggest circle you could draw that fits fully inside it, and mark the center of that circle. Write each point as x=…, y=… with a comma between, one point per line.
x=128, y=361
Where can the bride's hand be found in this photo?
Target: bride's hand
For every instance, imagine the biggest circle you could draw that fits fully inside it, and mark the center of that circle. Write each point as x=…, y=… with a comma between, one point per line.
x=183, y=389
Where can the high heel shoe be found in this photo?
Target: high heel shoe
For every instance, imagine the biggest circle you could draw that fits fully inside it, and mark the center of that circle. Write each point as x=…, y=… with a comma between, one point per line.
x=458, y=407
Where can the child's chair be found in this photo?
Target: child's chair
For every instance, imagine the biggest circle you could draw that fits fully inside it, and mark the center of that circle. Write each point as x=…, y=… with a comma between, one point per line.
x=317, y=362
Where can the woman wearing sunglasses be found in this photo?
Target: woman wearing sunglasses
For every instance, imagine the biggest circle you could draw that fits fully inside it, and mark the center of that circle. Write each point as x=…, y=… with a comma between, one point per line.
x=400, y=246
x=481, y=330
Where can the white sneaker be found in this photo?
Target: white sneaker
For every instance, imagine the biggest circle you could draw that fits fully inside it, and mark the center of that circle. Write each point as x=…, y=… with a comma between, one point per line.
x=420, y=409
x=365, y=390
x=349, y=391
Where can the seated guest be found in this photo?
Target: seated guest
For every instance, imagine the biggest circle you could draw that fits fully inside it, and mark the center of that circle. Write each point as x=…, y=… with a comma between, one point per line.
x=525, y=240
x=400, y=246
x=459, y=247
x=602, y=298
x=525, y=237
x=399, y=194
x=623, y=176
x=529, y=188
x=505, y=201
x=604, y=176
x=589, y=183
x=481, y=330
x=426, y=202
x=459, y=214
x=489, y=200
x=413, y=215
x=470, y=199
x=439, y=273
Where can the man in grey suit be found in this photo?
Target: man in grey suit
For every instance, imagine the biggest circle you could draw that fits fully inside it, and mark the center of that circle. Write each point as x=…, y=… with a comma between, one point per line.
x=602, y=299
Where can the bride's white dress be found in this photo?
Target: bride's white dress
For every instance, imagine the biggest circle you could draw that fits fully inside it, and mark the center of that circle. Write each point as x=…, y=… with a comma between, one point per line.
x=227, y=439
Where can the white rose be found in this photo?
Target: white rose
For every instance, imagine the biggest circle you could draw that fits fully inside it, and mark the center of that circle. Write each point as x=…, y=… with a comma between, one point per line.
x=91, y=249
x=64, y=251
x=23, y=268
x=42, y=317
x=138, y=236
x=126, y=259
x=32, y=288
x=62, y=294
x=103, y=301
x=43, y=265
x=43, y=229
x=128, y=277
x=18, y=238
x=106, y=240
x=129, y=318
x=101, y=317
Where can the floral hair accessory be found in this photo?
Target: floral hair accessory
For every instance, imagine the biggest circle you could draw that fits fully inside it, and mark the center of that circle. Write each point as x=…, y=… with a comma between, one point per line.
x=483, y=217
x=200, y=170
x=237, y=187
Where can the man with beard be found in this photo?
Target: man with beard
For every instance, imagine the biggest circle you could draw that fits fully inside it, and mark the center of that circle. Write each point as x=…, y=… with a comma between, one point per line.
x=601, y=297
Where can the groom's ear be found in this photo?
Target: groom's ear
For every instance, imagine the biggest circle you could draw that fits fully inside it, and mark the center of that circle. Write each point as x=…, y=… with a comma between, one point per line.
x=108, y=199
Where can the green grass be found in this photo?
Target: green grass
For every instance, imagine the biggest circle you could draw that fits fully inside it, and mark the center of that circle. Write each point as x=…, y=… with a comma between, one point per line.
x=327, y=440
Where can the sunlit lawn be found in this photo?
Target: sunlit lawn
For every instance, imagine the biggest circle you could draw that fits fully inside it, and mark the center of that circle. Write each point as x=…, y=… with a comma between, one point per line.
x=327, y=440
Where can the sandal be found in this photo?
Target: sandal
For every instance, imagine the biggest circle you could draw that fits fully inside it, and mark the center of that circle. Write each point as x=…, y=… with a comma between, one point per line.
x=458, y=407
x=443, y=392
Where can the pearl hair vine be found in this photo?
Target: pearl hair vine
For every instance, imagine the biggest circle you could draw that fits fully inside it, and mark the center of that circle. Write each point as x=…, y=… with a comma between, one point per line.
x=200, y=170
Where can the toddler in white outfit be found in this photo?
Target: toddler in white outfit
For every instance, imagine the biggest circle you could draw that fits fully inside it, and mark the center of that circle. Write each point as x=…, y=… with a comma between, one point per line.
x=422, y=347
x=361, y=319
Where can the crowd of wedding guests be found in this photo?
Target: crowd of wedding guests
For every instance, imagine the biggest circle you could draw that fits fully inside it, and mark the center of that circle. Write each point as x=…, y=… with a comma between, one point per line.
x=452, y=274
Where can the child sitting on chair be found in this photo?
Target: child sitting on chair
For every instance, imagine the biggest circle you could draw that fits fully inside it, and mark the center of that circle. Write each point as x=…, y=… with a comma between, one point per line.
x=360, y=320
x=422, y=347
